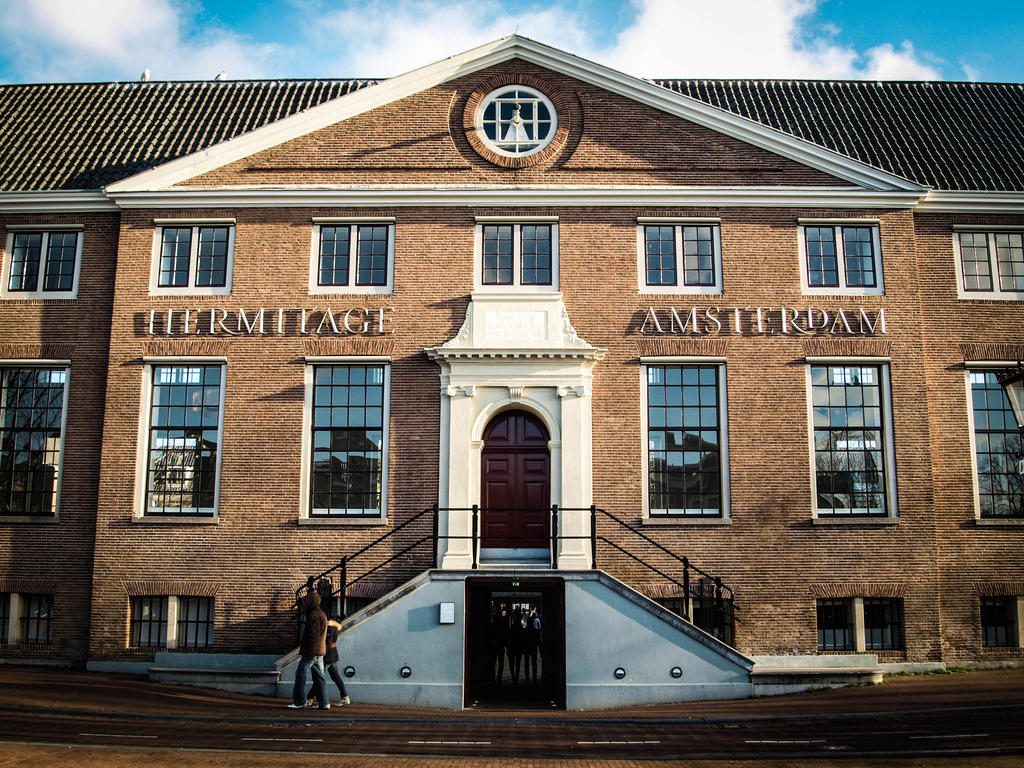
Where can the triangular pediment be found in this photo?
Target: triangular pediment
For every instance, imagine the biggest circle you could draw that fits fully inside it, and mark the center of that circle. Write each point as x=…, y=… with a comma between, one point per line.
x=408, y=131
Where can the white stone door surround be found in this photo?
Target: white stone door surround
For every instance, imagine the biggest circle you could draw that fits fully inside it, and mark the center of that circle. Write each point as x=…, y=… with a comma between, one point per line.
x=515, y=351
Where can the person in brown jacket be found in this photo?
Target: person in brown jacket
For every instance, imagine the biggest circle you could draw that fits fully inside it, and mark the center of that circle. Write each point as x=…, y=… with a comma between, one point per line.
x=312, y=647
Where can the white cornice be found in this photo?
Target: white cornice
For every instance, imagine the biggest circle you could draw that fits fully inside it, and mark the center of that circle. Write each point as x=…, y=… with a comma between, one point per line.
x=959, y=201
x=513, y=195
x=388, y=91
x=55, y=202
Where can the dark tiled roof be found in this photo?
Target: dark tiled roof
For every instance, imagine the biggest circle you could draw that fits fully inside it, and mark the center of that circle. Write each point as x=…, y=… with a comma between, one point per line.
x=87, y=135
x=945, y=135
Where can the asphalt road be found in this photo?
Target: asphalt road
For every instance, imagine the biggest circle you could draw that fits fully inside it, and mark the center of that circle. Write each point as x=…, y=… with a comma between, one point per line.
x=968, y=718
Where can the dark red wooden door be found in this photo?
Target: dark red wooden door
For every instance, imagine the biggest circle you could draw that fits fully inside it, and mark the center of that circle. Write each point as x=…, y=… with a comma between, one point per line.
x=516, y=482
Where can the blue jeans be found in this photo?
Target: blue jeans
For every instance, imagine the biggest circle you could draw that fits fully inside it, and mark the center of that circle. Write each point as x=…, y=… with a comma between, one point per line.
x=319, y=680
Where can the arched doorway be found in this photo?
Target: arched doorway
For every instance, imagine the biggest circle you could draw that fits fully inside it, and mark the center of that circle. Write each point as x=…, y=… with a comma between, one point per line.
x=515, y=491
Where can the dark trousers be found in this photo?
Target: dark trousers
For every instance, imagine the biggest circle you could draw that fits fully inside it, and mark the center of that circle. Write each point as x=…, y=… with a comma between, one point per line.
x=332, y=670
x=497, y=664
x=514, y=657
x=530, y=657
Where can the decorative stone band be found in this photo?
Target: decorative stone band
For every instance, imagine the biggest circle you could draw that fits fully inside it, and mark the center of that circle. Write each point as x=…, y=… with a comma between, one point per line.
x=29, y=586
x=177, y=588
x=860, y=589
x=37, y=351
x=986, y=352
x=998, y=588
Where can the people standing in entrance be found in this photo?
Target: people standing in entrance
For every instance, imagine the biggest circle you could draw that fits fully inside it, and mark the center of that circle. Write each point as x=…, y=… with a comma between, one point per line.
x=312, y=646
x=497, y=639
x=531, y=642
x=516, y=638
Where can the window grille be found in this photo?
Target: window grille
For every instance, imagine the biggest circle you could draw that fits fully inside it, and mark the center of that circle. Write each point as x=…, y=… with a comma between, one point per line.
x=883, y=623
x=997, y=440
x=36, y=617
x=999, y=622
x=148, y=622
x=195, y=622
x=835, y=625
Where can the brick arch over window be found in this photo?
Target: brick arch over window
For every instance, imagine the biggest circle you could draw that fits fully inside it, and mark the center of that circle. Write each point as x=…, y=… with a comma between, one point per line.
x=564, y=109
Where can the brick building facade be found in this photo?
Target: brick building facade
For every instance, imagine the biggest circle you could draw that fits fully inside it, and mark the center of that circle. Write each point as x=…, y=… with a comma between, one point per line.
x=742, y=337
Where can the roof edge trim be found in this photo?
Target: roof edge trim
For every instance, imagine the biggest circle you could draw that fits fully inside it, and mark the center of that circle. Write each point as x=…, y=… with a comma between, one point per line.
x=519, y=195
x=85, y=201
x=961, y=201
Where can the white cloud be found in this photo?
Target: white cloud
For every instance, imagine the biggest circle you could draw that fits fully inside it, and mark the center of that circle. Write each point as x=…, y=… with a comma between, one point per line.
x=117, y=39
x=741, y=39
x=388, y=37
x=887, y=63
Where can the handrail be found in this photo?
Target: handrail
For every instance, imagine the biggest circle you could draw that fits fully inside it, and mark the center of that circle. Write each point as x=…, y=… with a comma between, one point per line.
x=724, y=605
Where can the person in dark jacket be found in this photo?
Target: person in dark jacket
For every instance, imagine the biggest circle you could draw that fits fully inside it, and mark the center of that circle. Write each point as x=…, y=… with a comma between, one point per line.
x=312, y=647
x=331, y=663
x=497, y=639
x=516, y=637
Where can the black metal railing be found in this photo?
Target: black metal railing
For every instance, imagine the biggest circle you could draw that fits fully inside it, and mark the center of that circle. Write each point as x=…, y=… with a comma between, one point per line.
x=705, y=600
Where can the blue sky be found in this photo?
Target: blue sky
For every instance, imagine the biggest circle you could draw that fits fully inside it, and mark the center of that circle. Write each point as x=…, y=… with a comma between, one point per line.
x=78, y=40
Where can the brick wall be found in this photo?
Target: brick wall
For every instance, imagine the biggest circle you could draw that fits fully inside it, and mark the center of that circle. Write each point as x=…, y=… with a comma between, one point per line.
x=56, y=557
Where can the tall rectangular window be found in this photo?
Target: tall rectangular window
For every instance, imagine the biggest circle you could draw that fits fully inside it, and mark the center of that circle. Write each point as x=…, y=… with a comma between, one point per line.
x=195, y=622
x=32, y=405
x=36, y=617
x=997, y=440
x=353, y=257
x=148, y=625
x=684, y=439
x=42, y=264
x=348, y=440
x=184, y=439
x=835, y=625
x=990, y=264
x=883, y=623
x=193, y=259
x=841, y=259
x=849, y=439
x=681, y=258
x=999, y=621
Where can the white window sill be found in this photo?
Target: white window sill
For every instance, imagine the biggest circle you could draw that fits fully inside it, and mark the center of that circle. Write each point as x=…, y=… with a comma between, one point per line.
x=856, y=520
x=686, y=520
x=177, y=519
x=340, y=520
x=999, y=522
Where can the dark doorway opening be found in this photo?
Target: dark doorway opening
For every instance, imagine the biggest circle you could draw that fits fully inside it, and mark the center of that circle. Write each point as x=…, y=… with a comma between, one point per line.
x=516, y=484
x=530, y=656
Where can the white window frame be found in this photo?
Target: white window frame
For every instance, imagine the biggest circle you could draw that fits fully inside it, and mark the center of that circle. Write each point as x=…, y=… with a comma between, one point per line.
x=517, y=223
x=305, y=490
x=66, y=365
x=353, y=249
x=725, y=513
x=46, y=230
x=969, y=368
x=141, y=509
x=155, y=289
x=678, y=223
x=530, y=93
x=842, y=289
x=990, y=231
x=885, y=392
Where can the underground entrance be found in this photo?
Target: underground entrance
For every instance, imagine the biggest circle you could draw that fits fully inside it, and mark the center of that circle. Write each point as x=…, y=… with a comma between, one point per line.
x=515, y=643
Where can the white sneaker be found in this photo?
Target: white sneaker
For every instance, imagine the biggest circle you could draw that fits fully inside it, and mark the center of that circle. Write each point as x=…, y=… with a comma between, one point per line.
x=344, y=700
x=296, y=706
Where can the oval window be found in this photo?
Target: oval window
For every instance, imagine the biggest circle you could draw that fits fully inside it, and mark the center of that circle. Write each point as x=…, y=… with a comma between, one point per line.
x=516, y=121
